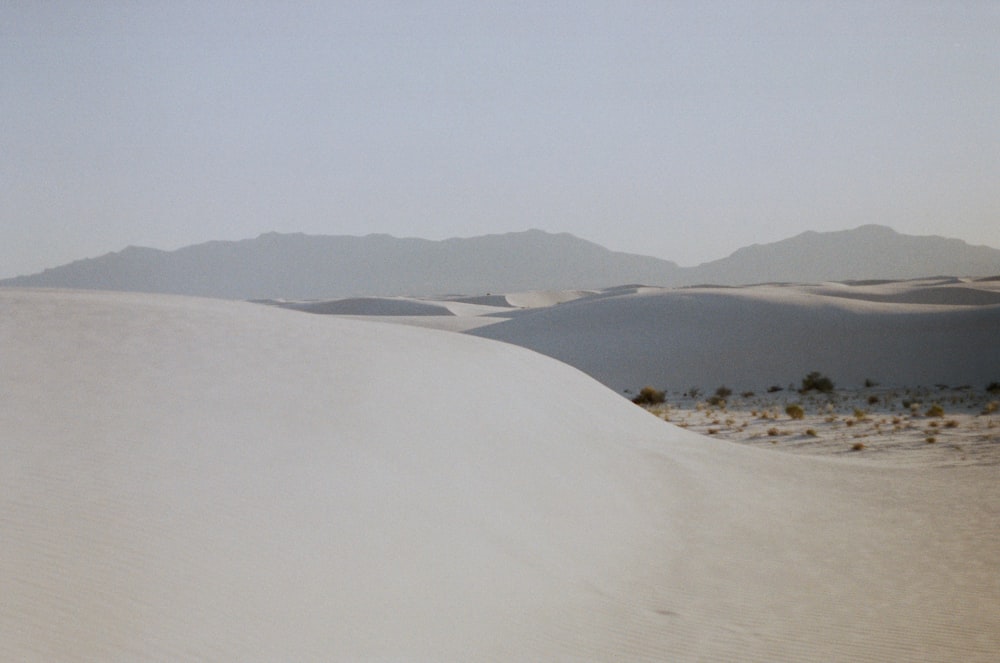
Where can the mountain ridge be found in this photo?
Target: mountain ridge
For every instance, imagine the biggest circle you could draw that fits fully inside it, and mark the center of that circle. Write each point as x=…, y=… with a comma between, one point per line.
x=301, y=266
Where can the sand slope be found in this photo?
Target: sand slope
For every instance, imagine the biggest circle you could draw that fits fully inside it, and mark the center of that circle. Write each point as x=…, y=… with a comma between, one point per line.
x=902, y=333
x=187, y=479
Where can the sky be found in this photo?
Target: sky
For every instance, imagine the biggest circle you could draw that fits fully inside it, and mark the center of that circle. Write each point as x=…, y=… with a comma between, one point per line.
x=682, y=130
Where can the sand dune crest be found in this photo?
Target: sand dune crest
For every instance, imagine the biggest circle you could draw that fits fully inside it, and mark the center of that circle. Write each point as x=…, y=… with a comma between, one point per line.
x=188, y=479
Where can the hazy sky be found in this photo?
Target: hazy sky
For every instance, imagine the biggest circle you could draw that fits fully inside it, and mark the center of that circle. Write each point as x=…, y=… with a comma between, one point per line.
x=677, y=129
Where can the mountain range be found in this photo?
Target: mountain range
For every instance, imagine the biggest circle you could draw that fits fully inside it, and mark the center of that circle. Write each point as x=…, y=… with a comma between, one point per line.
x=298, y=266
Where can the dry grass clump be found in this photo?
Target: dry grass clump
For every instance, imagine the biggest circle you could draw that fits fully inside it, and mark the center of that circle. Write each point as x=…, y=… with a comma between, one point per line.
x=935, y=411
x=930, y=439
x=795, y=411
x=991, y=407
x=719, y=398
x=649, y=396
x=811, y=432
x=857, y=446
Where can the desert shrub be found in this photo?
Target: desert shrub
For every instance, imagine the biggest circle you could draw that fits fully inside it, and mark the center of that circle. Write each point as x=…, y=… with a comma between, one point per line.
x=747, y=394
x=951, y=423
x=649, y=396
x=873, y=399
x=693, y=392
x=773, y=432
x=860, y=414
x=993, y=388
x=811, y=432
x=869, y=383
x=816, y=381
x=723, y=392
x=857, y=446
x=716, y=401
x=991, y=407
x=935, y=411
x=774, y=388
x=930, y=439
x=795, y=411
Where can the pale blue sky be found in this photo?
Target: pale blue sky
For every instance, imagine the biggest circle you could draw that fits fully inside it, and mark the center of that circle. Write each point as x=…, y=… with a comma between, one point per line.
x=683, y=130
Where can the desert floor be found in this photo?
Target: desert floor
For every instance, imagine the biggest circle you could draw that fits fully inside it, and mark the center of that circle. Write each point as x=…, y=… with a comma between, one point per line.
x=900, y=426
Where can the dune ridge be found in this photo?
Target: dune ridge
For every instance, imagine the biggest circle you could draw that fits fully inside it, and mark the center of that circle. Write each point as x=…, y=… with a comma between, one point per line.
x=197, y=479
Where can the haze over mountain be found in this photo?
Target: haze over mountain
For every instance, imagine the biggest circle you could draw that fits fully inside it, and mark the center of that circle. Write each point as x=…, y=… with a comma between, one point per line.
x=298, y=266
x=867, y=252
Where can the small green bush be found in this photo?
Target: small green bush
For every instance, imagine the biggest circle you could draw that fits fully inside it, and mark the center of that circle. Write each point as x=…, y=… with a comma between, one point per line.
x=649, y=396
x=795, y=411
x=935, y=411
x=816, y=381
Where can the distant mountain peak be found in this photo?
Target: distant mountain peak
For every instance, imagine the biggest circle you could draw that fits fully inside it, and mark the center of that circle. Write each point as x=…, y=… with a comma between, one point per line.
x=299, y=266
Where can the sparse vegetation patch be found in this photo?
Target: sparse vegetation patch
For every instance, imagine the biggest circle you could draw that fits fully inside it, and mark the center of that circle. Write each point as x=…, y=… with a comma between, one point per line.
x=828, y=423
x=816, y=381
x=935, y=411
x=649, y=396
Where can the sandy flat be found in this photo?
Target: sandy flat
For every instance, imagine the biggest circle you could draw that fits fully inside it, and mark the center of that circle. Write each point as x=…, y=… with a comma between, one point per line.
x=189, y=479
x=922, y=426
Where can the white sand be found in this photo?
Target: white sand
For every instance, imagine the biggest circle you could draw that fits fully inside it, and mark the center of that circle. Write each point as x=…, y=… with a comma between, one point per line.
x=187, y=479
x=874, y=424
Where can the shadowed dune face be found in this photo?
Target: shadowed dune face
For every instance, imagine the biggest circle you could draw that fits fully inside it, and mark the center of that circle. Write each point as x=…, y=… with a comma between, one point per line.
x=368, y=306
x=764, y=335
x=950, y=293
x=200, y=480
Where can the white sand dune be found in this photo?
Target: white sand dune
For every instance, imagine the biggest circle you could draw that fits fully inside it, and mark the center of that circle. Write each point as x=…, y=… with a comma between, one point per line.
x=186, y=479
x=370, y=306
x=750, y=338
